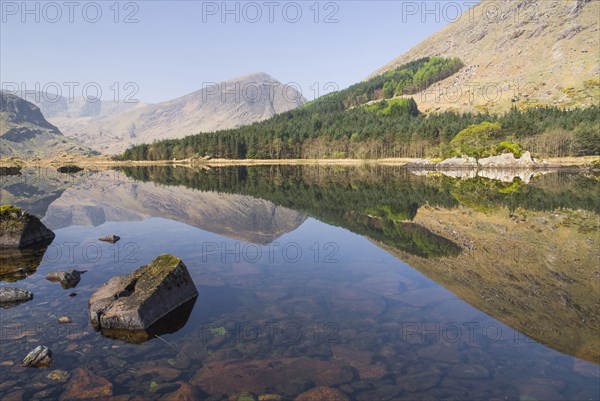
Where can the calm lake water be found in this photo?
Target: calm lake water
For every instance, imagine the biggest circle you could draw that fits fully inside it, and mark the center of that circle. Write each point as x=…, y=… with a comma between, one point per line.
x=384, y=283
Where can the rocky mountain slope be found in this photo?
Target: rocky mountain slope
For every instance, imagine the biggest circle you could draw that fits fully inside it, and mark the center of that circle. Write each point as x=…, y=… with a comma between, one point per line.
x=523, y=52
x=229, y=104
x=24, y=131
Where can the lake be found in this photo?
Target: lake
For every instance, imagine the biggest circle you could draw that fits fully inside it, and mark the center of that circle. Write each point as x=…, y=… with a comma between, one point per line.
x=380, y=282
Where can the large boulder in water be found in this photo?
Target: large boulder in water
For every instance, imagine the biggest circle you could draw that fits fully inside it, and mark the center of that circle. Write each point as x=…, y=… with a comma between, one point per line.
x=139, y=299
x=19, y=229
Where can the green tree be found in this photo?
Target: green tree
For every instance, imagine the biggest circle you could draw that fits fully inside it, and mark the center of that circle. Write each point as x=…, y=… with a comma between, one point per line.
x=475, y=139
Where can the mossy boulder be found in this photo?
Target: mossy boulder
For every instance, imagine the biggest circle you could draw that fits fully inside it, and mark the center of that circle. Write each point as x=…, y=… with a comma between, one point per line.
x=20, y=230
x=137, y=300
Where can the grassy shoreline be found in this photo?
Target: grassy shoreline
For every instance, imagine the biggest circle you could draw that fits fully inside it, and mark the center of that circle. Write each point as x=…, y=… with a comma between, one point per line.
x=100, y=162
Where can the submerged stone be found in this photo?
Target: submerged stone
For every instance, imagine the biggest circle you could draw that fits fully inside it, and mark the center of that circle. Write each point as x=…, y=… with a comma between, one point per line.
x=85, y=384
x=137, y=300
x=59, y=375
x=19, y=229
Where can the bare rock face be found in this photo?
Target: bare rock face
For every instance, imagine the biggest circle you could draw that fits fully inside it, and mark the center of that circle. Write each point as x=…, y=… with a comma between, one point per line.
x=19, y=229
x=139, y=299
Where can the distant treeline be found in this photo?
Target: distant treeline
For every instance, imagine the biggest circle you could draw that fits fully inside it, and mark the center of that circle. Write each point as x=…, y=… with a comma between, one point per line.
x=360, y=122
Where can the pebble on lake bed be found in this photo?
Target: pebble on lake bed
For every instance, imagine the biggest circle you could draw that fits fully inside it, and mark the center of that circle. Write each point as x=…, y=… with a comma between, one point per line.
x=64, y=320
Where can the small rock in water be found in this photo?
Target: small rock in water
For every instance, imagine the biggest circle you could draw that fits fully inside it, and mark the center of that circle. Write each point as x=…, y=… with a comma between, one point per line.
x=72, y=294
x=67, y=279
x=10, y=296
x=39, y=357
x=59, y=375
x=65, y=320
x=110, y=238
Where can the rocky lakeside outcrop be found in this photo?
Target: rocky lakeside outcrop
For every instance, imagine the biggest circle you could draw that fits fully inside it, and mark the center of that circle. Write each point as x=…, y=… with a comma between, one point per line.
x=138, y=300
x=503, y=161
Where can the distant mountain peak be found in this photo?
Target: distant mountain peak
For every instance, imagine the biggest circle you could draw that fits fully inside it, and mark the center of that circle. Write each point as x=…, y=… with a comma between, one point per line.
x=217, y=105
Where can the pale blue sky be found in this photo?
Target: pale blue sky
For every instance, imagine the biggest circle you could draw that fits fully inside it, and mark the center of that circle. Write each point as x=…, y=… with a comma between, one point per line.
x=177, y=46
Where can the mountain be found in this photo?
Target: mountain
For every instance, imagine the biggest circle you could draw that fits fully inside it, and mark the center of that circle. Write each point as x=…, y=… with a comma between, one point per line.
x=522, y=52
x=112, y=129
x=24, y=131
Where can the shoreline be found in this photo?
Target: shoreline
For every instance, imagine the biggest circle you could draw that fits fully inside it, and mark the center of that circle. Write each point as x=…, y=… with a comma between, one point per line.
x=105, y=162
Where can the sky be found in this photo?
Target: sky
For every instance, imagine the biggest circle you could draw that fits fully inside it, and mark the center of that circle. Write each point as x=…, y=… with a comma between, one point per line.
x=155, y=51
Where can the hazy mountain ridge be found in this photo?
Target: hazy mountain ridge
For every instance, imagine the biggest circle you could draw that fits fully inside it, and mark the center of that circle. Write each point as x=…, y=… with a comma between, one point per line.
x=24, y=131
x=229, y=104
x=533, y=53
x=57, y=106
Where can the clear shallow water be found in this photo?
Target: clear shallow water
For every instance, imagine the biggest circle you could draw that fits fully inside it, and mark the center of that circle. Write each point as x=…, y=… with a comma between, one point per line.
x=289, y=302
